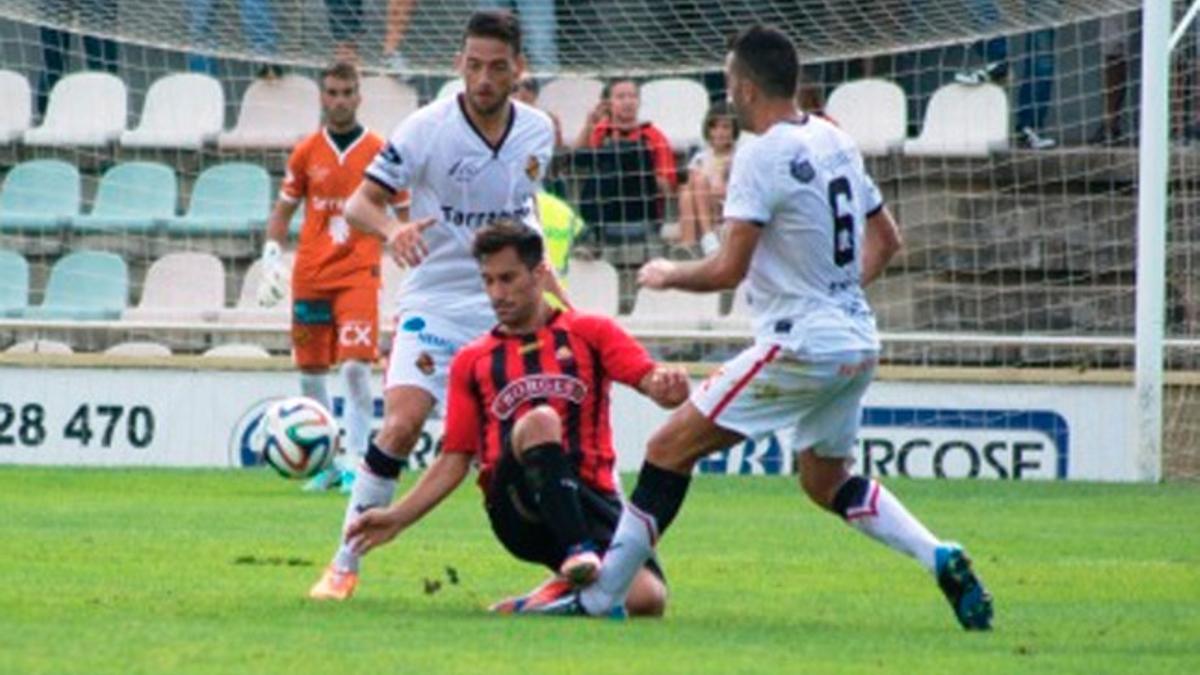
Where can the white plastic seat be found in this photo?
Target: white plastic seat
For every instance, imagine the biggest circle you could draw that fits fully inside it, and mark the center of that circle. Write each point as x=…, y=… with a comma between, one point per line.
x=275, y=113
x=674, y=310
x=247, y=309
x=40, y=347
x=676, y=106
x=182, y=110
x=85, y=109
x=593, y=286
x=17, y=111
x=138, y=349
x=451, y=87
x=237, y=350
x=181, y=287
x=570, y=99
x=963, y=121
x=874, y=113
x=385, y=103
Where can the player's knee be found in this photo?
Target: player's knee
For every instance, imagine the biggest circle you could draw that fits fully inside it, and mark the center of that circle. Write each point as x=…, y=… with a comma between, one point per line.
x=399, y=433
x=647, y=597
x=538, y=426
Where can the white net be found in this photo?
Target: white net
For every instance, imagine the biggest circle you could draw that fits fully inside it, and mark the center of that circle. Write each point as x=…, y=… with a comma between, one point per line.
x=1003, y=133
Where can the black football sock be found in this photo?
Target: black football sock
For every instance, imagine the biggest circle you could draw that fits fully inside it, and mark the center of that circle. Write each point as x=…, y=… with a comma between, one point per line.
x=660, y=493
x=556, y=488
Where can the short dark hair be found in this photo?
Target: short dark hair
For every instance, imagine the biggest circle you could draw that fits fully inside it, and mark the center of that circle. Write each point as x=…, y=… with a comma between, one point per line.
x=721, y=110
x=606, y=92
x=340, y=70
x=497, y=24
x=766, y=56
x=505, y=232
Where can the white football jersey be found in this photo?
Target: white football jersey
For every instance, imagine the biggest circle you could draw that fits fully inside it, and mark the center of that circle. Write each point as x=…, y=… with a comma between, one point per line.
x=456, y=176
x=804, y=182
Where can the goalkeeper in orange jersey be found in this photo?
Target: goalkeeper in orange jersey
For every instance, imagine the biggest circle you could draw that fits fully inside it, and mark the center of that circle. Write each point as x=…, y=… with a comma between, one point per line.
x=335, y=278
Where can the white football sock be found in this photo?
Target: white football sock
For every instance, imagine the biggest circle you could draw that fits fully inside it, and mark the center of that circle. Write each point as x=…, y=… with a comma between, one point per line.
x=313, y=386
x=883, y=518
x=356, y=376
x=632, y=544
x=369, y=491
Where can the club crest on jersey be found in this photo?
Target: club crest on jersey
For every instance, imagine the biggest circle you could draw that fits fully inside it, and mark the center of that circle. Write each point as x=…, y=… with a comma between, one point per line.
x=532, y=167
x=424, y=363
x=530, y=387
x=564, y=354
x=802, y=170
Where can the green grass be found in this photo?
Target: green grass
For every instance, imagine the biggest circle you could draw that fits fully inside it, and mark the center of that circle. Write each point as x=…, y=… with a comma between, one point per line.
x=205, y=571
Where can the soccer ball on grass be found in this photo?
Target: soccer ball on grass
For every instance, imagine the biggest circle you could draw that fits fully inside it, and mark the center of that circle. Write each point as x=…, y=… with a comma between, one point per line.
x=301, y=437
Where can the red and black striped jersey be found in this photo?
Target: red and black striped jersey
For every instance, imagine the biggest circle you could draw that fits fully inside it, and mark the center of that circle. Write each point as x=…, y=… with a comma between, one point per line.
x=569, y=364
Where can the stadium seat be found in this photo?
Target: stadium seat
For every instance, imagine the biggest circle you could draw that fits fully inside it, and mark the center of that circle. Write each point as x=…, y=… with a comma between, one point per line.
x=17, y=110
x=138, y=349
x=385, y=103
x=40, y=347
x=964, y=121
x=182, y=110
x=134, y=196
x=14, y=283
x=451, y=87
x=677, y=106
x=247, y=309
x=181, y=287
x=238, y=351
x=674, y=310
x=232, y=198
x=39, y=195
x=593, y=286
x=85, y=109
x=275, y=113
x=874, y=113
x=571, y=99
x=84, y=285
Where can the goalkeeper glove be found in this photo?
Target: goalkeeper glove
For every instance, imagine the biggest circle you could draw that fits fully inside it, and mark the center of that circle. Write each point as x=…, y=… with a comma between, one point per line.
x=272, y=285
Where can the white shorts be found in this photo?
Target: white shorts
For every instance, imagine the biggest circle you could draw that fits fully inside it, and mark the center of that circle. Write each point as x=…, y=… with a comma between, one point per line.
x=768, y=388
x=422, y=348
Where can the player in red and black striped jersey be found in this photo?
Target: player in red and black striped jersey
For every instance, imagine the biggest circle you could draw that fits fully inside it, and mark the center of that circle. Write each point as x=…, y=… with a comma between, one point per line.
x=529, y=402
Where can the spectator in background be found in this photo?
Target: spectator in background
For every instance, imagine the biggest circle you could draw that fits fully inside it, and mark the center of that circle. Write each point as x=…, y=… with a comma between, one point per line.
x=703, y=196
x=99, y=53
x=1114, y=41
x=346, y=27
x=615, y=118
x=527, y=91
x=258, y=26
x=539, y=25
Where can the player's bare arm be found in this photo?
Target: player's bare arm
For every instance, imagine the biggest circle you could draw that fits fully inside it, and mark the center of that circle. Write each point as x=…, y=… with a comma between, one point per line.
x=717, y=272
x=883, y=242
x=367, y=210
x=668, y=386
x=376, y=527
x=272, y=285
x=277, y=222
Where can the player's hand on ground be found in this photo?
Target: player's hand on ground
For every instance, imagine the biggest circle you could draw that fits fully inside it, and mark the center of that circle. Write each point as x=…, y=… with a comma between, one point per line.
x=372, y=528
x=656, y=274
x=272, y=285
x=406, y=244
x=667, y=386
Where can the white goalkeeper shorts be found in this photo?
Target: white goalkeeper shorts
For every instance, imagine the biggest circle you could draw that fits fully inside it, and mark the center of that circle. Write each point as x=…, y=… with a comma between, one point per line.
x=769, y=388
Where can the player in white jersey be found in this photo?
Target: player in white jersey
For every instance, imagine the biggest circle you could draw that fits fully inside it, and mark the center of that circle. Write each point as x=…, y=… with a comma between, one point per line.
x=466, y=161
x=807, y=230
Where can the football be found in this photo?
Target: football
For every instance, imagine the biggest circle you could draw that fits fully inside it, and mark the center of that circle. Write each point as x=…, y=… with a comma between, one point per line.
x=300, y=437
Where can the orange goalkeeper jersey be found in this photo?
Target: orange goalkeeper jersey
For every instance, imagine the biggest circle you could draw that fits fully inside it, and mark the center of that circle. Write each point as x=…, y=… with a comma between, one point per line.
x=331, y=254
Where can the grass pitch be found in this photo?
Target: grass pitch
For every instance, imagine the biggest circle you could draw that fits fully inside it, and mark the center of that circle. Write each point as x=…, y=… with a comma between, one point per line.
x=206, y=571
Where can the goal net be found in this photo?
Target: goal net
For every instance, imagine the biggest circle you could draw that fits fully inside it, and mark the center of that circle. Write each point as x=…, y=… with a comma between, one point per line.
x=1003, y=134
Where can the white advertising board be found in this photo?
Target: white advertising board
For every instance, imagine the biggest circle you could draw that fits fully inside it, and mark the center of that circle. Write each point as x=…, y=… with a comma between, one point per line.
x=207, y=418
